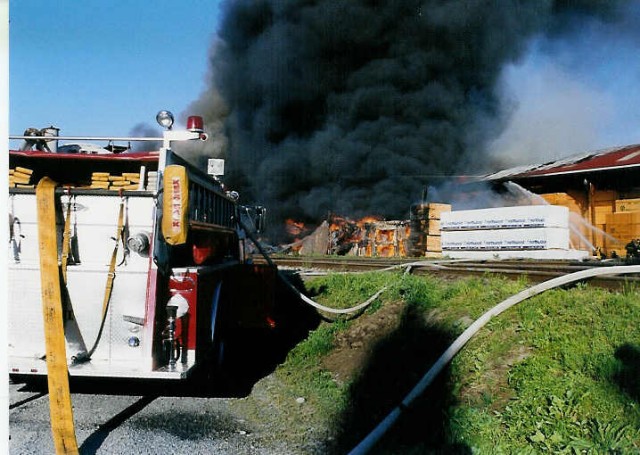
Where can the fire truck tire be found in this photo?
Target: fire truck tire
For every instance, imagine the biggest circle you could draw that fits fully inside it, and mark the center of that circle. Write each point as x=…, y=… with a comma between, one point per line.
x=216, y=358
x=218, y=351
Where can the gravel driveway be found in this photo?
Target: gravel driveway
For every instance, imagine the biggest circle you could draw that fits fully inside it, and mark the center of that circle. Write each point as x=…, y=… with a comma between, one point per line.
x=259, y=423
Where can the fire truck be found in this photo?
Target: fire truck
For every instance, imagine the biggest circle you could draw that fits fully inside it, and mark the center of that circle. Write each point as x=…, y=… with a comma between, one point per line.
x=149, y=255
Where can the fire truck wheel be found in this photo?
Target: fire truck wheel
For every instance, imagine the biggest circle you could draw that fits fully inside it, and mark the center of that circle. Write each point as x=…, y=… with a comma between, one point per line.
x=219, y=346
x=216, y=354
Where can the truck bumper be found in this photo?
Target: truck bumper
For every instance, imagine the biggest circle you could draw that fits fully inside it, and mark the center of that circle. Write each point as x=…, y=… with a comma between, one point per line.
x=105, y=369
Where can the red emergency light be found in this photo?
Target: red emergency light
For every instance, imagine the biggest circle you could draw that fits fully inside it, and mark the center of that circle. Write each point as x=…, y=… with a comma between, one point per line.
x=195, y=124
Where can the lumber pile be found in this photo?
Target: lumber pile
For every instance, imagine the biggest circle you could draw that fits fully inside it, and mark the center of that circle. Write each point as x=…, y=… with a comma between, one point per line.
x=386, y=238
x=623, y=227
x=424, y=239
x=106, y=181
x=20, y=177
x=581, y=234
x=536, y=231
x=627, y=205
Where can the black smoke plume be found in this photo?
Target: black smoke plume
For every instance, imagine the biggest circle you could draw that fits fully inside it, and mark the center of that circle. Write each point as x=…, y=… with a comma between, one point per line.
x=145, y=130
x=354, y=106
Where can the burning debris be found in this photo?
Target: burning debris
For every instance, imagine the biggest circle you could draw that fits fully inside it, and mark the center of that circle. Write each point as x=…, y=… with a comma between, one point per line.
x=374, y=237
x=350, y=237
x=337, y=235
x=296, y=229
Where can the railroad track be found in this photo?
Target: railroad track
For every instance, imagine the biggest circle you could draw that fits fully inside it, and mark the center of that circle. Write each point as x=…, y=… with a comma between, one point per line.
x=534, y=271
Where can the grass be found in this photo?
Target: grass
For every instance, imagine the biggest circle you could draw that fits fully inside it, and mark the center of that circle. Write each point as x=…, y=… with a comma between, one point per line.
x=558, y=373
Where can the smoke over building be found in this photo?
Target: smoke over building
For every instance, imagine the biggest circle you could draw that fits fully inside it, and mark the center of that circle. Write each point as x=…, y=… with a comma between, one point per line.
x=145, y=130
x=353, y=107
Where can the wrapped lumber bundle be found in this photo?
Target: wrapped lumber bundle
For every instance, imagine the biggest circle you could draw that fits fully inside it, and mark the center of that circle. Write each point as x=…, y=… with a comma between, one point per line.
x=152, y=180
x=535, y=232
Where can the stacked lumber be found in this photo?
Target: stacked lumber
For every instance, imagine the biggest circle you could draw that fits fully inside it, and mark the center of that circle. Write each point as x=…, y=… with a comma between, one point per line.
x=603, y=204
x=574, y=202
x=386, y=238
x=581, y=234
x=424, y=239
x=623, y=227
x=20, y=177
x=627, y=205
x=106, y=181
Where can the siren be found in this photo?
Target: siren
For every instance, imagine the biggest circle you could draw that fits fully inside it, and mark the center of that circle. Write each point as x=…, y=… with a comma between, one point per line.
x=195, y=124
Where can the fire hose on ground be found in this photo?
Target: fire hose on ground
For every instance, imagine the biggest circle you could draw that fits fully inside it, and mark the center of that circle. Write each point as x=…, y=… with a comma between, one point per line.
x=364, y=304
x=379, y=431
x=304, y=298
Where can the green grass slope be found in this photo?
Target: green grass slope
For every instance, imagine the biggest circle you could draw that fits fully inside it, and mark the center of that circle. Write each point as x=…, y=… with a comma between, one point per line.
x=558, y=373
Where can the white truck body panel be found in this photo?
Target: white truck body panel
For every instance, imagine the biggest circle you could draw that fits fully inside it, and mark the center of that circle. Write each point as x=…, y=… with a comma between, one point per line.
x=97, y=221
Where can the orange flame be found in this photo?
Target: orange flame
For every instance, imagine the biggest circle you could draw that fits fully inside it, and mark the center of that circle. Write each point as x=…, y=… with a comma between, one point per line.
x=368, y=236
x=294, y=228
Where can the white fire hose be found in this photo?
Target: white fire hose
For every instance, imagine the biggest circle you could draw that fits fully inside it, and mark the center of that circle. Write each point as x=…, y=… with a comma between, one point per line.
x=332, y=310
x=374, y=436
x=366, y=303
x=407, y=267
x=300, y=294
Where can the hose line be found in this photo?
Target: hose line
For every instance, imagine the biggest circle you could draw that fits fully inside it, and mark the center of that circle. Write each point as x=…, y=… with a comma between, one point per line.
x=319, y=306
x=374, y=436
x=306, y=299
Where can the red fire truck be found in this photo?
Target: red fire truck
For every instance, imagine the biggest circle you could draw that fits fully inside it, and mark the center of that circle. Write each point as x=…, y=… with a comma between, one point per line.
x=150, y=253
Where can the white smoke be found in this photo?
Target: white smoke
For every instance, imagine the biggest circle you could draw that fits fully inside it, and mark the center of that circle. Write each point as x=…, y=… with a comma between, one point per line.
x=551, y=113
x=572, y=93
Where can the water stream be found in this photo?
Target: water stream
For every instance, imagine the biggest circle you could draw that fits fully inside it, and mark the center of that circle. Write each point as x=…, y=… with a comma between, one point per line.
x=576, y=222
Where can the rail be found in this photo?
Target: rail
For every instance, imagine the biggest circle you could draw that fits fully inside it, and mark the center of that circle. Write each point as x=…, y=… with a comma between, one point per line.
x=87, y=138
x=534, y=271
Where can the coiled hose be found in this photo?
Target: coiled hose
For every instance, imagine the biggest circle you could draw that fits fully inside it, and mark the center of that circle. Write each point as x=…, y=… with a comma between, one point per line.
x=374, y=436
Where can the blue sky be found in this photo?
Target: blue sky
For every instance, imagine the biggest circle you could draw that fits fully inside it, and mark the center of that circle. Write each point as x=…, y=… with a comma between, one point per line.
x=98, y=68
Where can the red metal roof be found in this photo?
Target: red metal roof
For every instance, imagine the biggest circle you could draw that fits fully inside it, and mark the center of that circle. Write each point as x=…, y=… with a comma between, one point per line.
x=602, y=160
x=125, y=156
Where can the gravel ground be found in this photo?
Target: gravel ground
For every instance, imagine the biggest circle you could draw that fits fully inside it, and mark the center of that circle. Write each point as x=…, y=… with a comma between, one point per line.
x=265, y=422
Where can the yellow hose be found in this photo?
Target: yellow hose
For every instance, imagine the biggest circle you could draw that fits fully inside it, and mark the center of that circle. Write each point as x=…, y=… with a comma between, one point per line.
x=62, y=427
